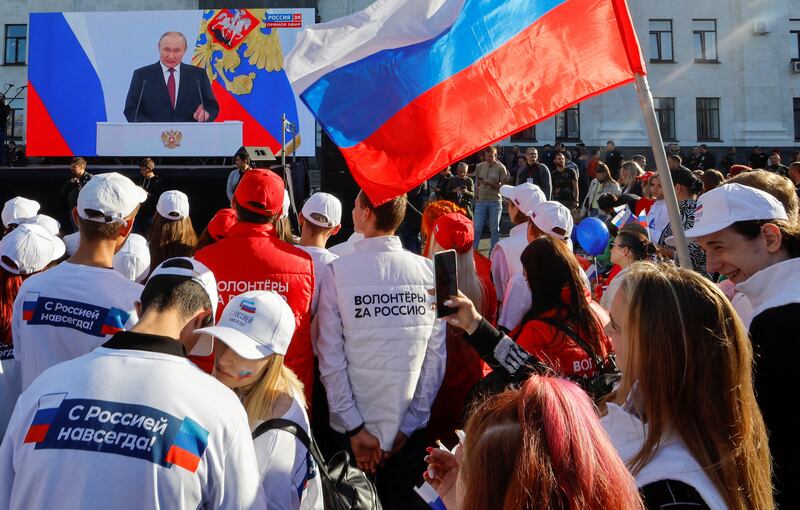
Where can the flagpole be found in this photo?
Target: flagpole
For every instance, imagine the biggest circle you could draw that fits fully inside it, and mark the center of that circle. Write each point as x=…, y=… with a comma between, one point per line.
x=651, y=121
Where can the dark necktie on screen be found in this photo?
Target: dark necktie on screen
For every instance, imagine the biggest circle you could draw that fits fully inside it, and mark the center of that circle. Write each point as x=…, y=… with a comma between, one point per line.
x=171, y=86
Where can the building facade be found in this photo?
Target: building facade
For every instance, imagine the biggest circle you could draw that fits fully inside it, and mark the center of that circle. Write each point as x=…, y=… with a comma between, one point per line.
x=723, y=72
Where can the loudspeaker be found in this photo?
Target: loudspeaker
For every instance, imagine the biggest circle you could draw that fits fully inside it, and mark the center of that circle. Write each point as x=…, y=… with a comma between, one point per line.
x=259, y=156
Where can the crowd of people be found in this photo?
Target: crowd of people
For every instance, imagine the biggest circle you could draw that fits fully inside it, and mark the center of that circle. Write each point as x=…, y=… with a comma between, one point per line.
x=145, y=366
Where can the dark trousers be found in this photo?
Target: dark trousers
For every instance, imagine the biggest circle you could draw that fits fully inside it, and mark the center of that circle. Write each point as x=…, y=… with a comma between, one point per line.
x=399, y=475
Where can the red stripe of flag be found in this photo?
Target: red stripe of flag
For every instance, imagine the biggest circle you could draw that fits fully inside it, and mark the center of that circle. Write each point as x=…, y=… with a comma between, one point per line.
x=180, y=457
x=528, y=79
x=36, y=433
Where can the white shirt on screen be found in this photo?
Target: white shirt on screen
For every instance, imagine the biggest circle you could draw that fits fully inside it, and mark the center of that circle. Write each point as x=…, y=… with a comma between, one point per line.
x=165, y=71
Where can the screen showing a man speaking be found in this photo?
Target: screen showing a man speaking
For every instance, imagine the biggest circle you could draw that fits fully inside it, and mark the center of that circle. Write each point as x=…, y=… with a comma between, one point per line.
x=164, y=83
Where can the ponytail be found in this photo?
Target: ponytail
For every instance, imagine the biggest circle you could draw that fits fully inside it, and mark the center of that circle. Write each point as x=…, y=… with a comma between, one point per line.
x=638, y=243
x=9, y=287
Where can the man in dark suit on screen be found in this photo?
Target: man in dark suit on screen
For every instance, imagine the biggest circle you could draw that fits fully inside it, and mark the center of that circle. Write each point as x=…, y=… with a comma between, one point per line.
x=170, y=91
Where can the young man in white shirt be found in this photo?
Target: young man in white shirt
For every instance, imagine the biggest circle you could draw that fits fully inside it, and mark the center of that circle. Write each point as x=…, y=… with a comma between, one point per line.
x=134, y=424
x=381, y=350
x=320, y=218
x=522, y=198
x=69, y=310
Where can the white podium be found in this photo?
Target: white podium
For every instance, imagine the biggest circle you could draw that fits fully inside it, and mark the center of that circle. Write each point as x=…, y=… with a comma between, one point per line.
x=168, y=138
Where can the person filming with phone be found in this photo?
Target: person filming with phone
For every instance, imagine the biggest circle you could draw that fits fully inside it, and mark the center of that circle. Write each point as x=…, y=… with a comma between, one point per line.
x=381, y=351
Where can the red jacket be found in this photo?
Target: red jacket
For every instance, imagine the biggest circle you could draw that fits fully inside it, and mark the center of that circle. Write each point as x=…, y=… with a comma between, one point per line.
x=251, y=257
x=557, y=350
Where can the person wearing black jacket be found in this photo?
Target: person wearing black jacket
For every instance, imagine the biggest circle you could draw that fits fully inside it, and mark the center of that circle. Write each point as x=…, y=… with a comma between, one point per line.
x=535, y=172
x=73, y=186
x=153, y=184
x=749, y=239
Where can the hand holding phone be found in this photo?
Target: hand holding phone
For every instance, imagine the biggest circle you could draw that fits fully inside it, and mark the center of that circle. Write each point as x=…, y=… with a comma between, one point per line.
x=446, y=274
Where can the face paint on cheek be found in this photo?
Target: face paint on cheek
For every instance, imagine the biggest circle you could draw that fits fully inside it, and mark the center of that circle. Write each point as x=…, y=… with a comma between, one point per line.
x=244, y=374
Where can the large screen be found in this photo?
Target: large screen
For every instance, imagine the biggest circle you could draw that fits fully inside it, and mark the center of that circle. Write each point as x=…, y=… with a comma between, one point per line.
x=164, y=83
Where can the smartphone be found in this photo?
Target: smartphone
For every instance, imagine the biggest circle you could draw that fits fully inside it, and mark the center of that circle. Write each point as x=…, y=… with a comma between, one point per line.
x=446, y=273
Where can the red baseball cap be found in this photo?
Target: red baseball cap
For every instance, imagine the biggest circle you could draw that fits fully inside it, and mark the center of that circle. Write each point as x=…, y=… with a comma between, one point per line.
x=260, y=191
x=220, y=223
x=454, y=231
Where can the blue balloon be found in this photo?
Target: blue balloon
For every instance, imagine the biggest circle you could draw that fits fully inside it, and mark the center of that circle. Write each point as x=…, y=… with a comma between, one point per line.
x=592, y=235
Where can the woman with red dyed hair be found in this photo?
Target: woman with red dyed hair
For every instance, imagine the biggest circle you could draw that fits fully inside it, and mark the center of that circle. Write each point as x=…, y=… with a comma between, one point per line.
x=540, y=447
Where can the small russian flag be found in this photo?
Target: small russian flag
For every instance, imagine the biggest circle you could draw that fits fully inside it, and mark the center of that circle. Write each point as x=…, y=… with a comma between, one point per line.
x=623, y=217
x=248, y=305
x=189, y=444
x=429, y=495
x=591, y=273
x=29, y=305
x=45, y=414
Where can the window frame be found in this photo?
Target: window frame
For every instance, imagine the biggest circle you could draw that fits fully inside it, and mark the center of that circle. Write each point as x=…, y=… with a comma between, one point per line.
x=796, y=117
x=702, y=34
x=698, y=111
x=16, y=39
x=667, y=137
x=518, y=136
x=657, y=33
x=796, y=34
x=577, y=108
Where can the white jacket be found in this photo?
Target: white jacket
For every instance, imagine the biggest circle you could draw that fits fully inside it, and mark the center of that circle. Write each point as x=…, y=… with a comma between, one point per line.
x=67, y=311
x=672, y=460
x=381, y=349
x=595, y=190
x=773, y=286
x=128, y=428
x=505, y=258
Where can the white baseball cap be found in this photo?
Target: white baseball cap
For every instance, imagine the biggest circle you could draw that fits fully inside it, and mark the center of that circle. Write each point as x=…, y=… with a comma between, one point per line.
x=723, y=206
x=133, y=260
x=173, y=205
x=17, y=209
x=112, y=195
x=553, y=219
x=71, y=241
x=325, y=205
x=524, y=196
x=28, y=249
x=51, y=224
x=255, y=325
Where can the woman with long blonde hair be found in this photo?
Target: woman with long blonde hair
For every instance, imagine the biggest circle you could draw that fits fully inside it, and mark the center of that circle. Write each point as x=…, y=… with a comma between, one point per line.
x=252, y=337
x=690, y=429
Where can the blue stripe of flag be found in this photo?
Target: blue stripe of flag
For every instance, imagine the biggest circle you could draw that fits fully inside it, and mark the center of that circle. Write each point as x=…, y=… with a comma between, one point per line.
x=191, y=437
x=44, y=416
x=352, y=102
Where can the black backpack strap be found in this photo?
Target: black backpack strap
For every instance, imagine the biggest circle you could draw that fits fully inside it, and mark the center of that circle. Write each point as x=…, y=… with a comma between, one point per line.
x=578, y=340
x=297, y=431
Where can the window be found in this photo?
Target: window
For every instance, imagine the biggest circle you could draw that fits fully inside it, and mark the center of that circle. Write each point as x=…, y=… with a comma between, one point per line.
x=794, y=43
x=568, y=124
x=665, y=112
x=797, y=119
x=707, y=119
x=704, y=35
x=16, y=44
x=661, y=40
x=526, y=135
x=15, y=119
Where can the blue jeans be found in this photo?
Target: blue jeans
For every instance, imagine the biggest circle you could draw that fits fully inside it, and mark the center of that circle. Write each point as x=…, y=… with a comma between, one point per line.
x=487, y=212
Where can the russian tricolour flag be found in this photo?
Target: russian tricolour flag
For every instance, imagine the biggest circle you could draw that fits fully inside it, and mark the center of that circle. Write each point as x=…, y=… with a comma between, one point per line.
x=406, y=87
x=45, y=414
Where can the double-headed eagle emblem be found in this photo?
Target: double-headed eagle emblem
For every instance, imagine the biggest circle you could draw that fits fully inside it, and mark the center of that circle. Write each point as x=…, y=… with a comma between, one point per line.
x=228, y=31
